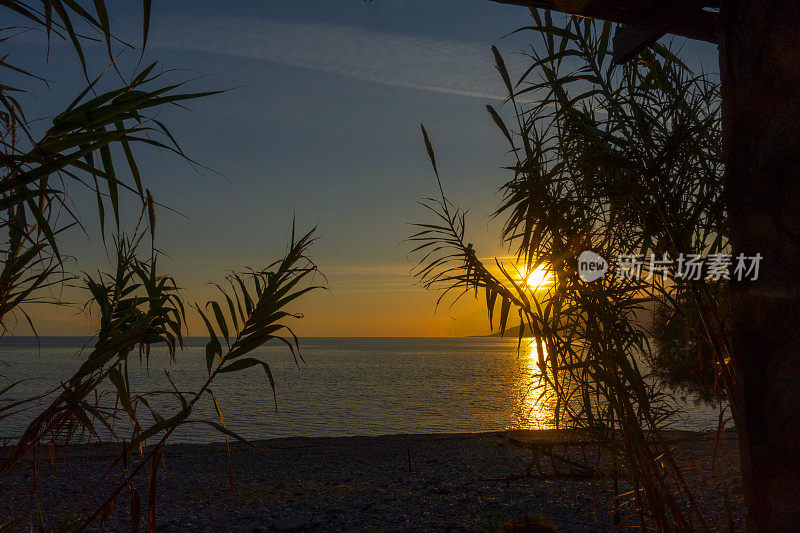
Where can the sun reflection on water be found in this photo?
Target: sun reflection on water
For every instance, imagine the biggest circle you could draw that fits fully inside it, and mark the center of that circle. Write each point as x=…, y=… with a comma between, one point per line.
x=535, y=401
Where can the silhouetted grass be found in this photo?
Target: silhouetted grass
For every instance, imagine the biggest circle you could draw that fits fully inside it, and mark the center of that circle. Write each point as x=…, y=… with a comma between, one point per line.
x=616, y=160
x=137, y=305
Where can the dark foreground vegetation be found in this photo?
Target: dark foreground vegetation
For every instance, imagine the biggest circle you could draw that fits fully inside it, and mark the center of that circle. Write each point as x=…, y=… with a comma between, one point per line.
x=92, y=146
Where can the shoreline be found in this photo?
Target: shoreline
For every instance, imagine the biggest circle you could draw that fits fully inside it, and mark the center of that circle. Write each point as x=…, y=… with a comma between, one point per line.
x=270, y=442
x=400, y=482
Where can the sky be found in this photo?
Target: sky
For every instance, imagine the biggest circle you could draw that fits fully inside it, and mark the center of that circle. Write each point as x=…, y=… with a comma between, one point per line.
x=319, y=124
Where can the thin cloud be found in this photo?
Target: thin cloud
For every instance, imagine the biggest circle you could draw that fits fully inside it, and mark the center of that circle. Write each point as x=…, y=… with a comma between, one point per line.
x=368, y=269
x=399, y=60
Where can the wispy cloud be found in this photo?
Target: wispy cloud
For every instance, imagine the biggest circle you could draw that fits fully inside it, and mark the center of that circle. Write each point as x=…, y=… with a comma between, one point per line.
x=369, y=269
x=452, y=67
x=370, y=277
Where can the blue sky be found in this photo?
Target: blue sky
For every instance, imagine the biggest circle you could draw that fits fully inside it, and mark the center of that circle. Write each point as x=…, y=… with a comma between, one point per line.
x=322, y=124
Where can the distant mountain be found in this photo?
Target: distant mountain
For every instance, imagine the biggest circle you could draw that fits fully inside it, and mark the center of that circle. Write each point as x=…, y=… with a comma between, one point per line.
x=512, y=333
x=643, y=316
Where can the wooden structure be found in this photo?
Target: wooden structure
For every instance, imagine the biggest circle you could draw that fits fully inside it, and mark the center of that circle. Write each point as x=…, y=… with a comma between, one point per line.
x=759, y=42
x=645, y=21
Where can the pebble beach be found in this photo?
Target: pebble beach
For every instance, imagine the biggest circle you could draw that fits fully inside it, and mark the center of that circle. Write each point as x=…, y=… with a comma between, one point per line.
x=441, y=482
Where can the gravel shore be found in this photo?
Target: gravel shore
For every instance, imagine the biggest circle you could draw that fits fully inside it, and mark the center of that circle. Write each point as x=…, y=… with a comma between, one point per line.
x=443, y=482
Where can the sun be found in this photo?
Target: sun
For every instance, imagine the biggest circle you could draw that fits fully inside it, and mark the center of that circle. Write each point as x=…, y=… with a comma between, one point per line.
x=538, y=278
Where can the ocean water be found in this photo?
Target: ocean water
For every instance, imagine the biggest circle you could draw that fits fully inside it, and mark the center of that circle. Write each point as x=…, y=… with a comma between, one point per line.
x=345, y=386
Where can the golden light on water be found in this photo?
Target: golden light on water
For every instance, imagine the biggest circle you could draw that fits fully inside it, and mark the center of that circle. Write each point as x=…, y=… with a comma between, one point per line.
x=533, y=355
x=535, y=409
x=538, y=278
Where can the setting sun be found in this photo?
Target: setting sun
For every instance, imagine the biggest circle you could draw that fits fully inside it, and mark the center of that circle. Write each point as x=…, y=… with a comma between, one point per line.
x=538, y=278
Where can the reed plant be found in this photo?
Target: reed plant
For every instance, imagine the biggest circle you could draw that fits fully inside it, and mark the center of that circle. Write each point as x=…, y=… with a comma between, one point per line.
x=137, y=306
x=617, y=160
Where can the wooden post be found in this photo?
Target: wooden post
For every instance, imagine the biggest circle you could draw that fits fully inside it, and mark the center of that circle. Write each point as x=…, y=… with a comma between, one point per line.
x=760, y=65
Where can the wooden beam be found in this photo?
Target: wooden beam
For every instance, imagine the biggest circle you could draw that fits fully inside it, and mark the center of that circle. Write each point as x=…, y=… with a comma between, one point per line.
x=687, y=18
x=630, y=40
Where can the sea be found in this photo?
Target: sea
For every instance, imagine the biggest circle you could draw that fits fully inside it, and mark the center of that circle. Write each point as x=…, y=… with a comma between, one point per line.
x=340, y=387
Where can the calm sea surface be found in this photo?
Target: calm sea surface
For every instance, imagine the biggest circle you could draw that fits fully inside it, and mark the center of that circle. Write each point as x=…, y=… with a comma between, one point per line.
x=347, y=386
